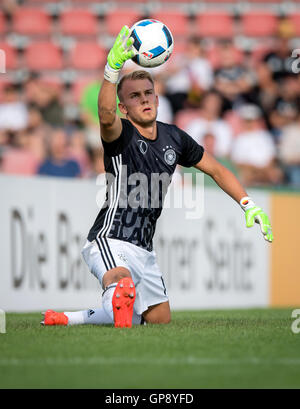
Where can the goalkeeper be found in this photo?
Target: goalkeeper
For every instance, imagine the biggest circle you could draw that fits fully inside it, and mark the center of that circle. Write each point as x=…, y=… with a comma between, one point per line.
x=119, y=249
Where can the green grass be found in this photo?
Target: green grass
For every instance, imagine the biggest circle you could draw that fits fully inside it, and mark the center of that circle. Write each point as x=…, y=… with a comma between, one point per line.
x=199, y=349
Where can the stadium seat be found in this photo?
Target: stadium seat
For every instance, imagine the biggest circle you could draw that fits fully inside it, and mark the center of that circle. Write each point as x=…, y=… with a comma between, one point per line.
x=11, y=57
x=259, y=24
x=37, y=2
x=115, y=20
x=214, y=24
x=31, y=21
x=265, y=1
x=78, y=22
x=176, y=21
x=87, y=56
x=43, y=56
x=75, y=2
x=221, y=1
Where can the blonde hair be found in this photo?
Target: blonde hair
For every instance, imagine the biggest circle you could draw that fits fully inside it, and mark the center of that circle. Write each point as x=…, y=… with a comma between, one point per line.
x=135, y=75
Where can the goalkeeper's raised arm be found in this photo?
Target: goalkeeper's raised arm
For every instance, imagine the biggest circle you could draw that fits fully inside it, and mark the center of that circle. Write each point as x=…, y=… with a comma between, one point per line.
x=110, y=123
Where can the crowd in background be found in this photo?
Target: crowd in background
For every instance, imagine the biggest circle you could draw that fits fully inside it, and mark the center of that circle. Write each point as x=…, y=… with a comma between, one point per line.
x=244, y=109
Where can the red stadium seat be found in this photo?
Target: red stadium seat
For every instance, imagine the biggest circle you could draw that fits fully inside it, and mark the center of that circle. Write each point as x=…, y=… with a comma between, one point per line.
x=31, y=21
x=11, y=58
x=87, y=56
x=43, y=56
x=265, y=1
x=116, y=19
x=37, y=2
x=86, y=1
x=221, y=1
x=259, y=24
x=176, y=21
x=78, y=22
x=2, y=23
x=214, y=24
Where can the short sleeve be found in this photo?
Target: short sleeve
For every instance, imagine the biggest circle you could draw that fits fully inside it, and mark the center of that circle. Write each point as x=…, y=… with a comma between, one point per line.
x=117, y=146
x=191, y=152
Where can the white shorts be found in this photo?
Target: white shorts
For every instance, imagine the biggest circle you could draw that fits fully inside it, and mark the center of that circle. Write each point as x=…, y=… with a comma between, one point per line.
x=107, y=253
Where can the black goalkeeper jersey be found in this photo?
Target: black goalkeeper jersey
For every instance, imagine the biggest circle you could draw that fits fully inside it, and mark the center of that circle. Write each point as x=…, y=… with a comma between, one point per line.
x=138, y=171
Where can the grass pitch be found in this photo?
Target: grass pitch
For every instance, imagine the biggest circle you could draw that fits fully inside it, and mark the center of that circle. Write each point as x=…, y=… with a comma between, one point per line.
x=199, y=349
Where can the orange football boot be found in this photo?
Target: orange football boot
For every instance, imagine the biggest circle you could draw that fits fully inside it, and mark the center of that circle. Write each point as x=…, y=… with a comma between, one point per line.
x=122, y=301
x=54, y=318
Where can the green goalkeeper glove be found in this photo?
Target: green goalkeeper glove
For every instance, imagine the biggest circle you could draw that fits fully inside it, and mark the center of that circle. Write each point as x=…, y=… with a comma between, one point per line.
x=256, y=214
x=120, y=52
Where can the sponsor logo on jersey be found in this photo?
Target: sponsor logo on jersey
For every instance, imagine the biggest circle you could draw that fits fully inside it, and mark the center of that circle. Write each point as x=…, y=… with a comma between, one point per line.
x=143, y=146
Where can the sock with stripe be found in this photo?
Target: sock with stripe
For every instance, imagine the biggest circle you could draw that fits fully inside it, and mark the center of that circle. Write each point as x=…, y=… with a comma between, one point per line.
x=108, y=308
x=94, y=317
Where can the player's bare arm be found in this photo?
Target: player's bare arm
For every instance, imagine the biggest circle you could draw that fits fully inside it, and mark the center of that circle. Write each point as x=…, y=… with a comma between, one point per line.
x=222, y=176
x=110, y=123
x=231, y=185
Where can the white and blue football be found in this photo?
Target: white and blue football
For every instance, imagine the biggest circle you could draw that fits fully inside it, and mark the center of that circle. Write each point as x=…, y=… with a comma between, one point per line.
x=153, y=43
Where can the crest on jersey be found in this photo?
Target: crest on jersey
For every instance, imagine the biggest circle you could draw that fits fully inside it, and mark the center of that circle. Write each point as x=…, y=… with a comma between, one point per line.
x=143, y=146
x=170, y=155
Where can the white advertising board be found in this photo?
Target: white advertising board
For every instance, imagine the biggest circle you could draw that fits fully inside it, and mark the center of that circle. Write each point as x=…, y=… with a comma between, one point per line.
x=211, y=262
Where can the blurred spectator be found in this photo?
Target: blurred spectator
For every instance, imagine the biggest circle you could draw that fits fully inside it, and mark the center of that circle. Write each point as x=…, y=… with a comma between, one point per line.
x=89, y=101
x=97, y=162
x=286, y=106
x=45, y=98
x=58, y=163
x=254, y=151
x=279, y=60
x=266, y=91
x=232, y=80
x=77, y=151
x=189, y=75
x=9, y=6
x=209, y=143
x=209, y=122
x=289, y=151
x=89, y=113
x=21, y=158
x=164, y=111
x=13, y=113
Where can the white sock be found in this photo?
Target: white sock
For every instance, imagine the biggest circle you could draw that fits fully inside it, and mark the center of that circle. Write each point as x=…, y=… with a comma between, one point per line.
x=108, y=308
x=96, y=317
x=75, y=318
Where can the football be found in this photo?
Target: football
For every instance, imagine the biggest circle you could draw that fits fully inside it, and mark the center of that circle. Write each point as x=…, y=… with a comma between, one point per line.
x=153, y=43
